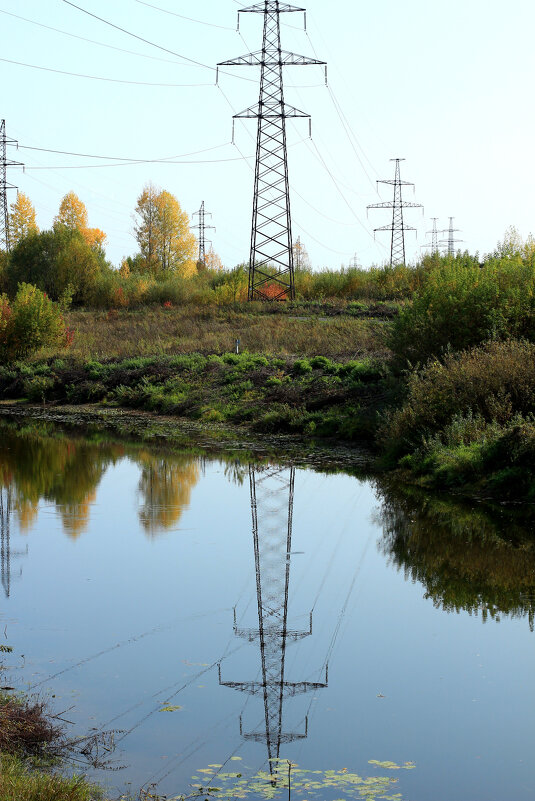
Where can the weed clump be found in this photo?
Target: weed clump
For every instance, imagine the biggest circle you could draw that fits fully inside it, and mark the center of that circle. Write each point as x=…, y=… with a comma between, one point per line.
x=26, y=729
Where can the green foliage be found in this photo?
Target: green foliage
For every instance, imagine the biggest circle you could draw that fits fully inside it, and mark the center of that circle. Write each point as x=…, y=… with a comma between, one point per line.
x=495, y=382
x=59, y=262
x=31, y=322
x=18, y=782
x=462, y=304
x=302, y=366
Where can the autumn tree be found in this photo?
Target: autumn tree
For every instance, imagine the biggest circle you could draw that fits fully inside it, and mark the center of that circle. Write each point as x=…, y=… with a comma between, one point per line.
x=212, y=261
x=162, y=231
x=22, y=220
x=73, y=215
x=301, y=257
x=145, y=226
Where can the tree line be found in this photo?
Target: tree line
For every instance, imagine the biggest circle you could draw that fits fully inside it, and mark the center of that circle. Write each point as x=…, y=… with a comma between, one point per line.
x=68, y=259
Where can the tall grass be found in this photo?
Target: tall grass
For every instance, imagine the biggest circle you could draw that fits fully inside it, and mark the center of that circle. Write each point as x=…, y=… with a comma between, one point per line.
x=187, y=329
x=18, y=782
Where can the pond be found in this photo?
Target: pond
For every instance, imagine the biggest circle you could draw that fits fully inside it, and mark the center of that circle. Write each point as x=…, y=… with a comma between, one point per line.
x=204, y=614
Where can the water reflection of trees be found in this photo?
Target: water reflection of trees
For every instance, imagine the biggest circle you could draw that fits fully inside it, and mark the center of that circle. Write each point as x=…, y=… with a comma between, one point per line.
x=466, y=556
x=165, y=485
x=61, y=471
x=66, y=471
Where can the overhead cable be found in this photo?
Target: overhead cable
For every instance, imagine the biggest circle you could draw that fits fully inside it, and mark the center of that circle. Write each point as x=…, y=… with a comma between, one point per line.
x=120, y=158
x=91, y=41
x=100, y=78
x=153, y=44
x=190, y=19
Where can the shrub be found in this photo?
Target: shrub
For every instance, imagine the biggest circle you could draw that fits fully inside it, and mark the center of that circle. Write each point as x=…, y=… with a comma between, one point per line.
x=461, y=305
x=32, y=321
x=59, y=262
x=495, y=381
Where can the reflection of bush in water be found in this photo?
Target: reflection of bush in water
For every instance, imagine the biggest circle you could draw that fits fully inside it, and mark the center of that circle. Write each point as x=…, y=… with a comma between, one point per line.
x=165, y=485
x=460, y=554
x=63, y=471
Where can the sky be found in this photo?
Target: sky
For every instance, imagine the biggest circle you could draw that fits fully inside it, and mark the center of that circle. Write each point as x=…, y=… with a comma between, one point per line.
x=445, y=85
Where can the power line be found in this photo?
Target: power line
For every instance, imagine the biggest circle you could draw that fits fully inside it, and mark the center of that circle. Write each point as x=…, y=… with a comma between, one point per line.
x=147, y=41
x=91, y=41
x=100, y=78
x=119, y=158
x=134, y=163
x=181, y=16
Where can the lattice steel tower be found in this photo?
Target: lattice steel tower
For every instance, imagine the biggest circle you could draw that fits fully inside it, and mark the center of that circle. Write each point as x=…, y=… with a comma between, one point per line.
x=7, y=554
x=202, y=214
x=398, y=227
x=450, y=242
x=434, y=237
x=5, y=243
x=271, y=261
x=272, y=494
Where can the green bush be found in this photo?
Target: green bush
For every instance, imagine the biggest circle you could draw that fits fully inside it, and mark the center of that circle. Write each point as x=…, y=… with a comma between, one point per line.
x=495, y=382
x=59, y=262
x=31, y=322
x=461, y=305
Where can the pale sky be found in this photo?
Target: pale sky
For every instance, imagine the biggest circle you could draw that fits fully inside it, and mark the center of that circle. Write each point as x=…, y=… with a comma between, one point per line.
x=445, y=85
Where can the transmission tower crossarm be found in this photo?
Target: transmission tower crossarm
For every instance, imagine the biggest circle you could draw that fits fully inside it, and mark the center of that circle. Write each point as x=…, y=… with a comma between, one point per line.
x=389, y=204
x=266, y=111
x=393, y=228
x=284, y=59
x=270, y=6
x=394, y=182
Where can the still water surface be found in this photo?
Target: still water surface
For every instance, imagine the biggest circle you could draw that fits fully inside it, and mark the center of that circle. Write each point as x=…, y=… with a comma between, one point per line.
x=273, y=612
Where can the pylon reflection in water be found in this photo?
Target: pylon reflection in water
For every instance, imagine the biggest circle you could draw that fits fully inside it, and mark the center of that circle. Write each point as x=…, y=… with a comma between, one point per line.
x=272, y=497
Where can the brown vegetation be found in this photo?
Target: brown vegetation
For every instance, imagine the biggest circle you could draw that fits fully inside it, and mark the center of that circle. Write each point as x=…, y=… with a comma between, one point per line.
x=159, y=331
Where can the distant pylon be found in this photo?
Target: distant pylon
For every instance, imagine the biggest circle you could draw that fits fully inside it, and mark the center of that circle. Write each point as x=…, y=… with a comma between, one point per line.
x=398, y=227
x=354, y=262
x=5, y=243
x=450, y=241
x=434, y=237
x=202, y=230
x=271, y=261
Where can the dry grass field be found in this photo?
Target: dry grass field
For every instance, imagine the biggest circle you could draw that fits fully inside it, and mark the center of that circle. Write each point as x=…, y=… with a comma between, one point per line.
x=159, y=331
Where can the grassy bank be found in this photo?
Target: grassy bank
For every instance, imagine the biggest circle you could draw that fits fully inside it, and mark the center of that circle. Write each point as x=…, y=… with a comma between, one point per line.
x=31, y=749
x=318, y=397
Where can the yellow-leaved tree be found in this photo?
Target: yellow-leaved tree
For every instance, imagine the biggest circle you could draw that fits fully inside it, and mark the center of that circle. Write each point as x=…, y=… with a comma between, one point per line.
x=212, y=261
x=73, y=214
x=162, y=231
x=21, y=219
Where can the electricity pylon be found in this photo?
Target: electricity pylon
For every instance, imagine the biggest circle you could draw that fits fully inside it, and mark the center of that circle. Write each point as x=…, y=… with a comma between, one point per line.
x=398, y=227
x=202, y=232
x=271, y=261
x=5, y=243
x=434, y=237
x=6, y=554
x=272, y=494
x=450, y=242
